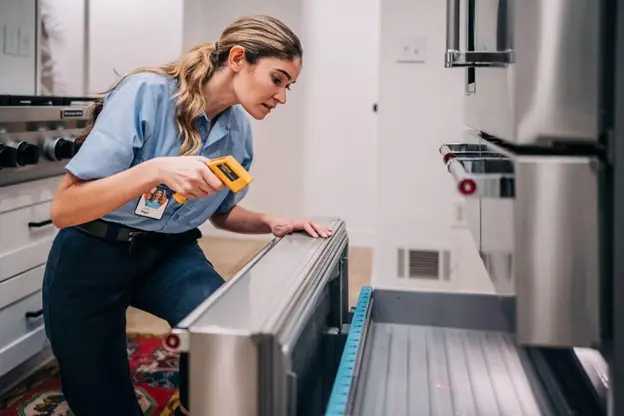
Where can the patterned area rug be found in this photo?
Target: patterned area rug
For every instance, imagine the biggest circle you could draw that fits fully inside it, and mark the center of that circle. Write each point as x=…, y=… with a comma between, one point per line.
x=154, y=371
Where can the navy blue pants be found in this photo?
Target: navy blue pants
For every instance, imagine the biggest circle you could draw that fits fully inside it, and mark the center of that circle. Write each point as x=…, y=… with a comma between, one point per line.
x=88, y=285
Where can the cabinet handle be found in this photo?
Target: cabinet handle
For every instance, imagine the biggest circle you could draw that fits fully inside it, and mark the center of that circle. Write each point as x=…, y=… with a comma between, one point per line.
x=34, y=314
x=456, y=58
x=35, y=224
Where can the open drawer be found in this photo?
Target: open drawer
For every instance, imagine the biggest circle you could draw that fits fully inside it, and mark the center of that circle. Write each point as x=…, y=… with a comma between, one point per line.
x=436, y=353
x=536, y=222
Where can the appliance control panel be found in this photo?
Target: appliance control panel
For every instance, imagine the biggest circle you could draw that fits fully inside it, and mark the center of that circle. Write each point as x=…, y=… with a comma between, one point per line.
x=38, y=135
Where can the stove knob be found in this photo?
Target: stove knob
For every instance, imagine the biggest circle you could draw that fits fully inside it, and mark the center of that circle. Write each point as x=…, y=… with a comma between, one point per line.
x=27, y=154
x=76, y=145
x=8, y=157
x=59, y=148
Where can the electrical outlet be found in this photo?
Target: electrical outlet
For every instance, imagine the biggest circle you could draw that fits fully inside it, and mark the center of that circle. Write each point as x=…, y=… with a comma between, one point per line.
x=412, y=50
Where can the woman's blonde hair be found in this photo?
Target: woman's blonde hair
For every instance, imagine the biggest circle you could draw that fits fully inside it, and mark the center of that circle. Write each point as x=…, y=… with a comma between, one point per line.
x=261, y=36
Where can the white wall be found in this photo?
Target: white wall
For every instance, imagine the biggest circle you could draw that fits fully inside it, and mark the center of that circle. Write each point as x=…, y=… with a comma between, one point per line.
x=127, y=34
x=420, y=108
x=341, y=78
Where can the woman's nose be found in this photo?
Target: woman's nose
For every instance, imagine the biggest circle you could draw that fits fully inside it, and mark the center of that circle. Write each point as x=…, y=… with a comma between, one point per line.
x=280, y=97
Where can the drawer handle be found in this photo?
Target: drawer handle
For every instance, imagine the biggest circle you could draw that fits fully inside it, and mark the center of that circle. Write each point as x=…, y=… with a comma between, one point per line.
x=467, y=150
x=36, y=314
x=456, y=58
x=483, y=177
x=39, y=224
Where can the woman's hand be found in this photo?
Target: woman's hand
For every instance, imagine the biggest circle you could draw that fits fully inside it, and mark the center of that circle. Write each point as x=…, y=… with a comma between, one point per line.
x=188, y=175
x=282, y=226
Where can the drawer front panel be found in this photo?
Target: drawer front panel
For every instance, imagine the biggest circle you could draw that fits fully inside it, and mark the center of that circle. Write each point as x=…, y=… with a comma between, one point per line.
x=539, y=239
x=25, y=240
x=15, y=322
x=18, y=287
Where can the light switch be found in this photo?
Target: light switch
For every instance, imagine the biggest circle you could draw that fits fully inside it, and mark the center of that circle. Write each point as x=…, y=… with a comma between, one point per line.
x=24, y=42
x=412, y=50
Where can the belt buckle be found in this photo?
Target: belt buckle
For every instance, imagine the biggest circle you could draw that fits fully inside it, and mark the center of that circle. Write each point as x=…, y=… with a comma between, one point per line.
x=132, y=239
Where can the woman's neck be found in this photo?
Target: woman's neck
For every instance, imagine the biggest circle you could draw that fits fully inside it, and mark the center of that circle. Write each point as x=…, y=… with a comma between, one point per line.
x=219, y=94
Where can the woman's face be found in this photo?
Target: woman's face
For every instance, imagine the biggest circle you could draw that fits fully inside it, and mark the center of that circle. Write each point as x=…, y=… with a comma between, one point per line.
x=263, y=86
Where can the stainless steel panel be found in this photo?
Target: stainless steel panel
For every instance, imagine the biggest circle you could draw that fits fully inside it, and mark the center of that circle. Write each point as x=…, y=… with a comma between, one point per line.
x=539, y=242
x=455, y=57
x=23, y=114
x=490, y=108
x=37, y=142
x=242, y=339
x=257, y=301
x=550, y=88
x=557, y=73
x=556, y=251
x=597, y=371
x=223, y=375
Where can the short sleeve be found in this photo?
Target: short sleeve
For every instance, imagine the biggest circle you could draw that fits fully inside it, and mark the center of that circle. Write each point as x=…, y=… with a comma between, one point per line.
x=232, y=199
x=125, y=122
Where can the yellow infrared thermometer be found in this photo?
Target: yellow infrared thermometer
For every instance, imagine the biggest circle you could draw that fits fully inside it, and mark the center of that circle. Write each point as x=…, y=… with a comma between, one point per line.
x=229, y=171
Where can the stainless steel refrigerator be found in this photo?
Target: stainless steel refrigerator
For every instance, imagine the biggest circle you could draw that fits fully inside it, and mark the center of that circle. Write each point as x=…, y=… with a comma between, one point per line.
x=542, y=171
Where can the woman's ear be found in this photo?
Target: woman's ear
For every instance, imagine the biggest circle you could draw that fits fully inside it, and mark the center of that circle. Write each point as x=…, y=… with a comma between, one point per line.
x=236, y=58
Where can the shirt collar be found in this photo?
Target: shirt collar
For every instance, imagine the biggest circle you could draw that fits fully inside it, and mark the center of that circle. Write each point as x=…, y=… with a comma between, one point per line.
x=225, y=120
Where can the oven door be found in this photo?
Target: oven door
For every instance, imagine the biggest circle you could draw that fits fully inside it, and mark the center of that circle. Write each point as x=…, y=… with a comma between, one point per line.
x=532, y=68
x=538, y=238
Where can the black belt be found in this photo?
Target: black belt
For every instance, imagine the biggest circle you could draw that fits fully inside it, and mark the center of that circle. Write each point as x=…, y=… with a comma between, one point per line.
x=120, y=233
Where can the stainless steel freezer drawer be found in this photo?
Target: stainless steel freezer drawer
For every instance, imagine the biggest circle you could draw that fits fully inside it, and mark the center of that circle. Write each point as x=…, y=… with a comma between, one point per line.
x=539, y=240
x=257, y=345
x=436, y=353
x=533, y=67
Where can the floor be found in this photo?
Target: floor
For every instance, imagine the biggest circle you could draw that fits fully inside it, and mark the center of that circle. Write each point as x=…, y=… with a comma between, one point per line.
x=229, y=255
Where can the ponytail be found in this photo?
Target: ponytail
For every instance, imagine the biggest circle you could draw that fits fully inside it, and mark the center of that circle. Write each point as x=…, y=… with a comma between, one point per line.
x=260, y=36
x=192, y=72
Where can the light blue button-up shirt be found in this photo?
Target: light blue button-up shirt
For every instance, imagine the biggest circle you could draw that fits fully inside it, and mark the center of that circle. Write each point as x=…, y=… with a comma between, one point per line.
x=138, y=123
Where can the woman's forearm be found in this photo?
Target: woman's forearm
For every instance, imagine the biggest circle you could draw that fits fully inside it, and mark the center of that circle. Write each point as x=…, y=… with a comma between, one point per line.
x=77, y=201
x=240, y=220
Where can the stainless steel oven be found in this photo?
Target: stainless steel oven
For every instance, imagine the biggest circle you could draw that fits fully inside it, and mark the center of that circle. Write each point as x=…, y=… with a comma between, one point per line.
x=532, y=169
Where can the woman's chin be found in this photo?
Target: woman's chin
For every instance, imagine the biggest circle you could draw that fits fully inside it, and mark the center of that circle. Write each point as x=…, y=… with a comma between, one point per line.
x=258, y=112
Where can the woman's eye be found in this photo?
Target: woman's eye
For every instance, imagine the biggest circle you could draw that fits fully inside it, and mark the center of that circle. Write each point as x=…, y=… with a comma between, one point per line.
x=278, y=81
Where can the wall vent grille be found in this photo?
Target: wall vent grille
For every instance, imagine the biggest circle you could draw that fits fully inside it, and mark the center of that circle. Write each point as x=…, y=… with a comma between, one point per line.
x=423, y=264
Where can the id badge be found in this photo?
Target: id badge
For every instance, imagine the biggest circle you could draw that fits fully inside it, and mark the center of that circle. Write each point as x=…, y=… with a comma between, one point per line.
x=153, y=203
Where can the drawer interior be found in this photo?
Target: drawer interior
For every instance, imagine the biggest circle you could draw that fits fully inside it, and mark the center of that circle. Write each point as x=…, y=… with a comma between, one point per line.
x=442, y=353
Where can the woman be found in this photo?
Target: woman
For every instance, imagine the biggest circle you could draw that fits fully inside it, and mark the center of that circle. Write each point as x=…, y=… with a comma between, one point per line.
x=156, y=129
